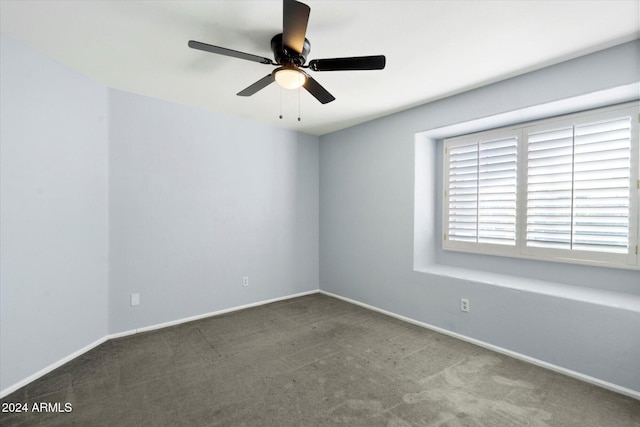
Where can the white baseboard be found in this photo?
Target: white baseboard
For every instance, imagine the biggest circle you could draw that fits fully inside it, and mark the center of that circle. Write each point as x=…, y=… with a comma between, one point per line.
x=96, y=343
x=586, y=378
x=568, y=372
x=210, y=314
x=51, y=367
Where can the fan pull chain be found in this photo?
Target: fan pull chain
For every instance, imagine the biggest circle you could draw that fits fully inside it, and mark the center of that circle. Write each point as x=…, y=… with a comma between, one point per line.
x=299, y=104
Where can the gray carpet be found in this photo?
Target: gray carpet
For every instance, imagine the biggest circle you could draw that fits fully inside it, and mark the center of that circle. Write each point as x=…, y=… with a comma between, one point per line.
x=310, y=361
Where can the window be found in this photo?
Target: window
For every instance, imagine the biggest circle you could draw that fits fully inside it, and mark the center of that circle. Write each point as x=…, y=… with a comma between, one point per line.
x=564, y=189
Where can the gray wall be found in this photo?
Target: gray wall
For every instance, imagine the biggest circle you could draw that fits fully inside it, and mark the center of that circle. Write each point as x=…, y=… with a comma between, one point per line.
x=199, y=200
x=106, y=193
x=53, y=212
x=586, y=319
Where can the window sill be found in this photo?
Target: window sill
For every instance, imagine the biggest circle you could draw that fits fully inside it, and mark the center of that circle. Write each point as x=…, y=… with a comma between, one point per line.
x=622, y=301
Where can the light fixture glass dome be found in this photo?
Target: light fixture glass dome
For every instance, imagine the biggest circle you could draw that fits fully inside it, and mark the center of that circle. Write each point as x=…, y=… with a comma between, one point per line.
x=290, y=78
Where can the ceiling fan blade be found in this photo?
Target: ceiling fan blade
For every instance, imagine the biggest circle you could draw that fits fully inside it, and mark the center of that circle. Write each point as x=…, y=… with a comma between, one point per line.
x=260, y=84
x=376, y=62
x=295, y=16
x=315, y=89
x=228, y=52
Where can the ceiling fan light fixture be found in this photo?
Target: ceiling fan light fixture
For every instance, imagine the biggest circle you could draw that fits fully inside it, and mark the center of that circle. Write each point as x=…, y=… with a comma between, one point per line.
x=290, y=78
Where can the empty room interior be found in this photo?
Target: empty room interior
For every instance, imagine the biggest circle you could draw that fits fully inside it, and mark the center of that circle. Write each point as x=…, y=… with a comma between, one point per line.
x=422, y=213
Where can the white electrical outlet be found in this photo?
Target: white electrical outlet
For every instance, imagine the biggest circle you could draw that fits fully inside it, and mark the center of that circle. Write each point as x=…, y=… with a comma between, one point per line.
x=135, y=299
x=464, y=305
x=245, y=281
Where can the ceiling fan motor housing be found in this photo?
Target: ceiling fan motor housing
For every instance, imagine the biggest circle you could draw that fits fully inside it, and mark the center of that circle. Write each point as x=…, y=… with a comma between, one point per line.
x=287, y=56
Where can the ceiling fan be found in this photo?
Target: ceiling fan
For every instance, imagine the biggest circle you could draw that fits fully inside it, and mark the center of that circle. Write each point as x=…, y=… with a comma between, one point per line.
x=290, y=49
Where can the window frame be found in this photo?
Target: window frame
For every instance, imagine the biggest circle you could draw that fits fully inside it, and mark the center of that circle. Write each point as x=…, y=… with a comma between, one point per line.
x=628, y=260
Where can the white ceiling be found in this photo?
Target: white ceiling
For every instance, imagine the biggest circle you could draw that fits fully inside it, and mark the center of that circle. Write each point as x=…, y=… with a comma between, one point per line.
x=434, y=48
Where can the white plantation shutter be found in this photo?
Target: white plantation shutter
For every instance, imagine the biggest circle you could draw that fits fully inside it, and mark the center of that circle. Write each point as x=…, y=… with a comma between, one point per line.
x=463, y=193
x=549, y=182
x=497, y=188
x=565, y=189
x=481, y=192
x=578, y=187
x=602, y=161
